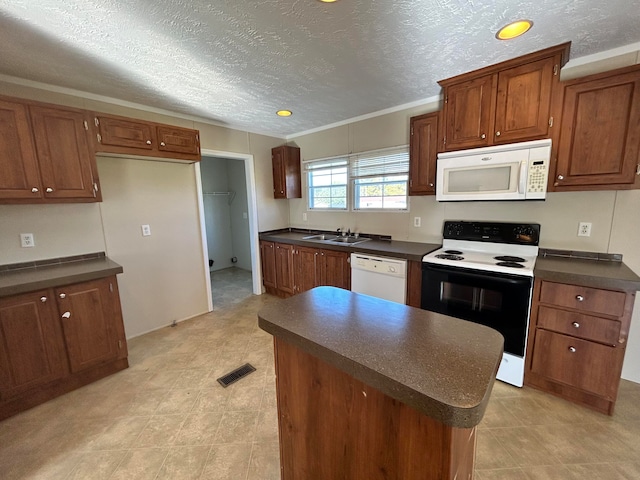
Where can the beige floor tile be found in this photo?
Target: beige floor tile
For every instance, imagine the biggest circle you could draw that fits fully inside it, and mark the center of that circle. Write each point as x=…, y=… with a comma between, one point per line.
x=501, y=474
x=177, y=401
x=549, y=472
x=121, y=434
x=192, y=378
x=227, y=462
x=184, y=463
x=162, y=379
x=140, y=464
x=213, y=399
x=97, y=465
x=199, y=429
x=490, y=454
x=267, y=426
x=242, y=397
x=265, y=461
x=604, y=471
x=237, y=427
x=524, y=446
x=497, y=415
x=160, y=431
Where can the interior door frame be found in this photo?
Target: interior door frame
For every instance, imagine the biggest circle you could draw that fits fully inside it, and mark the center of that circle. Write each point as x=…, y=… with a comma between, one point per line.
x=252, y=206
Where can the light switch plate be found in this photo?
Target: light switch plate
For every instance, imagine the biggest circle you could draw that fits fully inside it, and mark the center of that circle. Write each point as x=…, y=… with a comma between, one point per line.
x=26, y=240
x=146, y=230
x=417, y=221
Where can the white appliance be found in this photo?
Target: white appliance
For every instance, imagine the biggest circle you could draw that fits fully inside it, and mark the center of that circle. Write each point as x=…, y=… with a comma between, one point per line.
x=518, y=171
x=484, y=274
x=380, y=277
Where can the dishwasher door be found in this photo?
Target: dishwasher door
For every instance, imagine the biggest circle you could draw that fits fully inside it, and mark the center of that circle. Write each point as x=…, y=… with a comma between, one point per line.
x=380, y=277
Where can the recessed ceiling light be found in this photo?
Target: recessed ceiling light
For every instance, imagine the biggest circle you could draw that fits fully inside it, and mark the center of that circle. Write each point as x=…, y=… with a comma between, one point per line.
x=514, y=29
x=328, y=1
x=284, y=113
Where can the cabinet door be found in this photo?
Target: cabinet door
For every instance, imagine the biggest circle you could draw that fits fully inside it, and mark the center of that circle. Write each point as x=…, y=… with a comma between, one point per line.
x=278, y=165
x=66, y=162
x=268, y=263
x=121, y=132
x=468, y=113
x=335, y=269
x=31, y=346
x=284, y=268
x=85, y=310
x=183, y=141
x=600, y=132
x=524, y=102
x=286, y=172
x=423, y=154
x=307, y=274
x=20, y=177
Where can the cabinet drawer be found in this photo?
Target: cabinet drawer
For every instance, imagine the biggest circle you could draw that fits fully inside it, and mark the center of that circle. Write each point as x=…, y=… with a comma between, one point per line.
x=594, y=300
x=579, y=325
x=579, y=363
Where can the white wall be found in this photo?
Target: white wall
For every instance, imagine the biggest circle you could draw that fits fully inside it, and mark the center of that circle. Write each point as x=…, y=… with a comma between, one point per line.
x=217, y=214
x=615, y=215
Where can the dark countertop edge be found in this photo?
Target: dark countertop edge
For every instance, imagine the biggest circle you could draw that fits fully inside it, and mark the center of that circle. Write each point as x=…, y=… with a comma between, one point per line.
x=454, y=416
x=51, y=261
x=587, y=280
x=378, y=245
x=56, y=275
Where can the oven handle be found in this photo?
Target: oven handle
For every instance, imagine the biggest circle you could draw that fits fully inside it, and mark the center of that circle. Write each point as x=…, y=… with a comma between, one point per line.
x=480, y=276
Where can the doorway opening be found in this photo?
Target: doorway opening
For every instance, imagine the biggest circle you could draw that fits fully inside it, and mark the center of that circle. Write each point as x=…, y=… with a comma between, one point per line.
x=226, y=187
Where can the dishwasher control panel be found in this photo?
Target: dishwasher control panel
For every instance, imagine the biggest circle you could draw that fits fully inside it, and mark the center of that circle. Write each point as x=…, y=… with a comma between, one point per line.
x=382, y=265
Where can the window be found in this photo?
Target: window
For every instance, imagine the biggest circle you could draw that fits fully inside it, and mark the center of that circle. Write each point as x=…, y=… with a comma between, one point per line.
x=375, y=180
x=380, y=179
x=327, y=183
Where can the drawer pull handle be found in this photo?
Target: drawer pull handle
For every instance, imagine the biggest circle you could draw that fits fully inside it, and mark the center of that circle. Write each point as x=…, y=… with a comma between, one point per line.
x=576, y=324
x=572, y=349
x=580, y=298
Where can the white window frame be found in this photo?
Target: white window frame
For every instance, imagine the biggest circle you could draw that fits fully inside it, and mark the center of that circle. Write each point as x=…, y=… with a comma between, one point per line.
x=327, y=165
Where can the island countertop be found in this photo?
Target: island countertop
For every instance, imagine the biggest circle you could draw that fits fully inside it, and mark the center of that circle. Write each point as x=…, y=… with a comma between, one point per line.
x=441, y=366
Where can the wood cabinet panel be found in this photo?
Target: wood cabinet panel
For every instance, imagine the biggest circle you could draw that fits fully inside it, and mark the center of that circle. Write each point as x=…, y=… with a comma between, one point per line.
x=31, y=345
x=178, y=140
x=423, y=154
x=587, y=299
x=122, y=132
x=20, y=176
x=307, y=271
x=286, y=172
x=268, y=263
x=285, y=280
x=335, y=269
x=64, y=155
x=575, y=362
x=600, y=132
x=576, y=324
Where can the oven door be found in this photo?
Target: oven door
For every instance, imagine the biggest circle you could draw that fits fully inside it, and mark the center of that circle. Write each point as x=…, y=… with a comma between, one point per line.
x=497, y=300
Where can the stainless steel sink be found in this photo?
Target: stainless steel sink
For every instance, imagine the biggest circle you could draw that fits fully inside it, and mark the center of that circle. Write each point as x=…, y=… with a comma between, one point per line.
x=322, y=236
x=336, y=240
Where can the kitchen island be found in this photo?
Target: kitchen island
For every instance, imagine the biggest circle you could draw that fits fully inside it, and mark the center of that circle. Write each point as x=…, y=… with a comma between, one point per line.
x=373, y=389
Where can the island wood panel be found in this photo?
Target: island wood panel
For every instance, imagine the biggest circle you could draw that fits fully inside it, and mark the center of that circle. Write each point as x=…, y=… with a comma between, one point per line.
x=334, y=426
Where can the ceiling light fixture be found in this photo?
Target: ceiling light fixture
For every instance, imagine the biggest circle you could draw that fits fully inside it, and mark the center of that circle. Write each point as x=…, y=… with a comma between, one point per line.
x=328, y=1
x=284, y=113
x=514, y=29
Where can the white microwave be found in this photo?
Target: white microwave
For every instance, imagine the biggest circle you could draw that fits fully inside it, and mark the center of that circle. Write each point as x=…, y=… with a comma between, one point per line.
x=517, y=171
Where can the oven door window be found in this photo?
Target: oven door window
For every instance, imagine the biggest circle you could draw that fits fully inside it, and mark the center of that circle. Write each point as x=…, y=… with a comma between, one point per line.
x=496, y=300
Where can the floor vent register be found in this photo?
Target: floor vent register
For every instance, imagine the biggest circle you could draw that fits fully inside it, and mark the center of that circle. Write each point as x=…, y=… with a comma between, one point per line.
x=236, y=375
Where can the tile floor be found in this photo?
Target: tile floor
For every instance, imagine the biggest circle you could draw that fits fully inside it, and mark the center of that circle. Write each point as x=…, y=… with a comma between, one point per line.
x=166, y=417
x=230, y=286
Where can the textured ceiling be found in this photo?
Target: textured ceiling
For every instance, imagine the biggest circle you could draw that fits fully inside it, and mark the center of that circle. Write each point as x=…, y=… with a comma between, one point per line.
x=238, y=61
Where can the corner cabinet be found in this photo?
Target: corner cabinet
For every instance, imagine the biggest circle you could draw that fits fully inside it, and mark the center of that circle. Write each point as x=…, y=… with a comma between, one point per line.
x=126, y=136
x=45, y=155
x=577, y=340
x=508, y=102
x=423, y=154
x=286, y=172
x=53, y=341
x=599, y=145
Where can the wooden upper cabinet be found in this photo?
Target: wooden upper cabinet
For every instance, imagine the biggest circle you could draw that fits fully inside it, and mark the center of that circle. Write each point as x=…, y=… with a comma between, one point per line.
x=286, y=172
x=64, y=155
x=20, y=177
x=126, y=136
x=423, y=154
x=599, y=145
x=509, y=102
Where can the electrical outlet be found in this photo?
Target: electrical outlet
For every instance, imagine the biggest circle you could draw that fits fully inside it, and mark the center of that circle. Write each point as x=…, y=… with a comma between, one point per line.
x=26, y=240
x=304, y=217
x=146, y=230
x=584, y=229
x=417, y=221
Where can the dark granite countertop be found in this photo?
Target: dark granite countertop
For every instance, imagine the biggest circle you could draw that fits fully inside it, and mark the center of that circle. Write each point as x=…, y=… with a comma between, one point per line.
x=441, y=366
x=588, y=273
x=48, y=274
x=387, y=248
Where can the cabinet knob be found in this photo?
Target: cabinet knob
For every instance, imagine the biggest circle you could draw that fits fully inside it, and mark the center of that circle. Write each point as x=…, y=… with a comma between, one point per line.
x=576, y=324
x=497, y=134
x=483, y=136
x=148, y=142
x=572, y=349
x=63, y=295
x=49, y=190
x=35, y=190
x=66, y=315
x=162, y=144
x=560, y=177
x=43, y=299
x=580, y=298
x=281, y=191
x=431, y=185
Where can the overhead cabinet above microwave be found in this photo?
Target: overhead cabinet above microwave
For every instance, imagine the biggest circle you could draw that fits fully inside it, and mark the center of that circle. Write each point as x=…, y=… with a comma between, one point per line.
x=504, y=103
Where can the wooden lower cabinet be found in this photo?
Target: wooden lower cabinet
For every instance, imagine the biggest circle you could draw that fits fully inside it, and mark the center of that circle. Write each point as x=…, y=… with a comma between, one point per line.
x=55, y=340
x=334, y=426
x=577, y=340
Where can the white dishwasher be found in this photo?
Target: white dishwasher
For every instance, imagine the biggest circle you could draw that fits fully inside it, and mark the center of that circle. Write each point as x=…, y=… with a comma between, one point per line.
x=380, y=277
